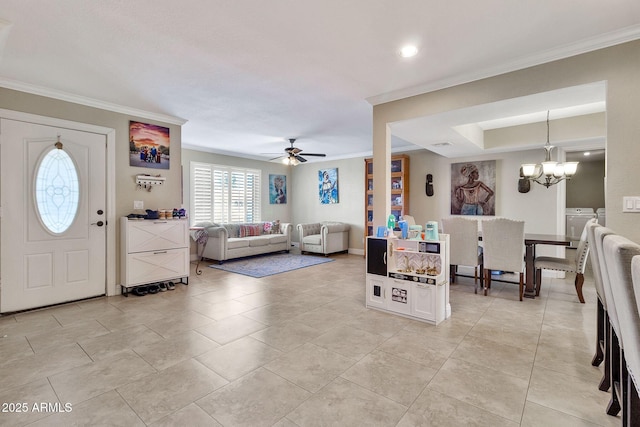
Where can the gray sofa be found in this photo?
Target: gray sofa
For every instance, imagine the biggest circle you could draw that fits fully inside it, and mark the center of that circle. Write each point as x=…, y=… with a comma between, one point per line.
x=324, y=237
x=229, y=241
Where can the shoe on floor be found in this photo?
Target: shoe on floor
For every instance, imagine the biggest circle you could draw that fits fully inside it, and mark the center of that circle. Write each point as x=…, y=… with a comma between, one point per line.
x=162, y=287
x=153, y=289
x=171, y=286
x=140, y=291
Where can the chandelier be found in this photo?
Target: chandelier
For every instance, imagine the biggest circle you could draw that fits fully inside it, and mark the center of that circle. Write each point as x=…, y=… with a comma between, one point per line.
x=549, y=172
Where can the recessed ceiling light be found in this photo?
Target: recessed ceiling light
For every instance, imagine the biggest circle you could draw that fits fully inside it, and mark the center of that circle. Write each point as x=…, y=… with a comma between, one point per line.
x=408, y=51
x=587, y=153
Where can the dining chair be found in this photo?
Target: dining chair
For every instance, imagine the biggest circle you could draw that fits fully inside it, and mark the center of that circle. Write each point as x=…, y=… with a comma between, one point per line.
x=503, y=248
x=574, y=262
x=602, y=318
x=612, y=349
x=463, y=247
x=619, y=252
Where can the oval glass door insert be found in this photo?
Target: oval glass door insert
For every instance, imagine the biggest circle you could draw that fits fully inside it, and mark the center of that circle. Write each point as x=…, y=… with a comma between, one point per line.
x=57, y=191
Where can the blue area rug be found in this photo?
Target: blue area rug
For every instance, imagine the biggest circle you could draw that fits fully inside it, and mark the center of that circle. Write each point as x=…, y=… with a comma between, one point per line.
x=270, y=264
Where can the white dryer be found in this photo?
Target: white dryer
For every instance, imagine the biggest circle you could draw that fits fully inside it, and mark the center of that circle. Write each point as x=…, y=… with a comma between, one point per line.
x=576, y=220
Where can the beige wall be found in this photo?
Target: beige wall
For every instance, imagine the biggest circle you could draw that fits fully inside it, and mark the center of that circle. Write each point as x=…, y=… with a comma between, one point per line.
x=617, y=65
x=349, y=209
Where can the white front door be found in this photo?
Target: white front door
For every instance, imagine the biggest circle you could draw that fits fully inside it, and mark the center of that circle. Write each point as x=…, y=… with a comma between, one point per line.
x=53, y=229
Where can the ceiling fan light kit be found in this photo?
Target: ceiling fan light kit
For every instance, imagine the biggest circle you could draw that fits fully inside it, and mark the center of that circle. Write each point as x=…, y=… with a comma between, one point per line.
x=293, y=157
x=552, y=171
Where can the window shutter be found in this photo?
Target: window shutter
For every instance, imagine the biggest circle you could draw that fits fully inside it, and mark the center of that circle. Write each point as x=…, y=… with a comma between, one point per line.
x=225, y=195
x=201, y=180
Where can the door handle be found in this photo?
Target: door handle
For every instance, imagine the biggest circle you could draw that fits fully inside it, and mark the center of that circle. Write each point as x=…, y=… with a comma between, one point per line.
x=99, y=223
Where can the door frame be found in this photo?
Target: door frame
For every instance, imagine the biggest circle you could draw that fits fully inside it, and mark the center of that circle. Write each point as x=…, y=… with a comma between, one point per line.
x=110, y=181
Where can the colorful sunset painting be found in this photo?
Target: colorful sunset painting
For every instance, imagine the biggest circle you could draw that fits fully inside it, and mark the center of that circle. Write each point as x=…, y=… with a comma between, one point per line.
x=148, y=145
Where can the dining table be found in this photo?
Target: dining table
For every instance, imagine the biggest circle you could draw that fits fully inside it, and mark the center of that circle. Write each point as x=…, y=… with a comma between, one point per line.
x=531, y=240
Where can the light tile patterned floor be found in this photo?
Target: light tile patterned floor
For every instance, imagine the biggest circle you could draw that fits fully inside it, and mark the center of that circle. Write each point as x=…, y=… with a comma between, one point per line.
x=300, y=349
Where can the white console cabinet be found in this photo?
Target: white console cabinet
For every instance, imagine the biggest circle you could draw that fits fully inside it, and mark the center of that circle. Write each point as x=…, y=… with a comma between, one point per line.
x=409, y=278
x=153, y=251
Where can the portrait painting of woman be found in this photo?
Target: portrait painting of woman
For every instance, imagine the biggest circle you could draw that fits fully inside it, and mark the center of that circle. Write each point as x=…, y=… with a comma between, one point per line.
x=473, y=188
x=328, y=186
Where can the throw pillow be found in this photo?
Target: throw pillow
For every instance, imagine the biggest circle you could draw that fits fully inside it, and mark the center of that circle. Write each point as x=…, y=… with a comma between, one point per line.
x=233, y=230
x=275, y=227
x=266, y=227
x=250, y=230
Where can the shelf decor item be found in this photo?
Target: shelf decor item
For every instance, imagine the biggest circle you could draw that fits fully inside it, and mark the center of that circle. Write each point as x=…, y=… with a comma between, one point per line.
x=399, y=187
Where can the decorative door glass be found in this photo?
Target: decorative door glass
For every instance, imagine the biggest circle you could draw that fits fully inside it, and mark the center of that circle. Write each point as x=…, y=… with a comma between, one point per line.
x=57, y=191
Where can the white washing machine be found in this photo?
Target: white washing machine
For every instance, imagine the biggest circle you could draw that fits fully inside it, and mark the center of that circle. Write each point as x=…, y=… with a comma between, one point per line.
x=602, y=216
x=576, y=220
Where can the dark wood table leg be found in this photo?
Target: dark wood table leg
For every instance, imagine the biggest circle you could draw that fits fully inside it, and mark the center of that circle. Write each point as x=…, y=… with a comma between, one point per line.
x=530, y=255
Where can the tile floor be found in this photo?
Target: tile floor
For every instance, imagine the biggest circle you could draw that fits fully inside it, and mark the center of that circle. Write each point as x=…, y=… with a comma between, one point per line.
x=300, y=349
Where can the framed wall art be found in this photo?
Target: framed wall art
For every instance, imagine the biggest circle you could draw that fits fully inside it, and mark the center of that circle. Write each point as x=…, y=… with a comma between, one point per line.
x=473, y=188
x=277, y=189
x=328, y=186
x=148, y=145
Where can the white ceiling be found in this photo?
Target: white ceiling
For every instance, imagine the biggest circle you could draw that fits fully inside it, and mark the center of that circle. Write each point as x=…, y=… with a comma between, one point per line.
x=247, y=75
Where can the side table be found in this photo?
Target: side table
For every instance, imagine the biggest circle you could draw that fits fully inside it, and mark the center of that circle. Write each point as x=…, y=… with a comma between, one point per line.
x=200, y=236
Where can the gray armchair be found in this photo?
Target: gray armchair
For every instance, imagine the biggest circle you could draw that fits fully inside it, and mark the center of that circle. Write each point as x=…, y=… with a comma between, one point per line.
x=324, y=237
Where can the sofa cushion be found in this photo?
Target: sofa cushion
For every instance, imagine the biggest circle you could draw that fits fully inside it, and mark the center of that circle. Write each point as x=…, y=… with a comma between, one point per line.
x=255, y=241
x=314, y=239
x=250, y=230
x=274, y=239
x=235, y=243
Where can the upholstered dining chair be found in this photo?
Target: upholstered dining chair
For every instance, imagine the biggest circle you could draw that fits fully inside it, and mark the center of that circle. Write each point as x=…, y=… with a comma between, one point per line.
x=503, y=248
x=618, y=252
x=574, y=262
x=463, y=247
x=612, y=350
x=602, y=318
x=634, y=371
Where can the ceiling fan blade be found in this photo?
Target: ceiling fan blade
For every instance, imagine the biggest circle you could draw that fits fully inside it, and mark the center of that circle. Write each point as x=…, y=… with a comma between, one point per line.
x=279, y=157
x=300, y=158
x=315, y=154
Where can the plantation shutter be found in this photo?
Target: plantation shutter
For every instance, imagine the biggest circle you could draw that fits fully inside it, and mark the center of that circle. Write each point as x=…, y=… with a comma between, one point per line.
x=220, y=191
x=202, y=198
x=225, y=195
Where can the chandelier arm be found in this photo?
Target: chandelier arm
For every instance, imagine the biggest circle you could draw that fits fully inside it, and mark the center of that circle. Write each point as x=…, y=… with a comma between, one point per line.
x=548, y=181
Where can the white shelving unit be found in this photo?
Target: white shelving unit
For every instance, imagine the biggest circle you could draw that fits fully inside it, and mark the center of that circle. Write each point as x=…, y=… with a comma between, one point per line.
x=153, y=251
x=409, y=277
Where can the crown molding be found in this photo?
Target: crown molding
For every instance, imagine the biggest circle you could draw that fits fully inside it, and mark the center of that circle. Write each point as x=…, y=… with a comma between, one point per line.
x=89, y=102
x=613, y=38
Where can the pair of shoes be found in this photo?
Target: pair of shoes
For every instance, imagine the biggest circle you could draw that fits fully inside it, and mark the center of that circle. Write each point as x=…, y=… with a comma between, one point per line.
x=171, y=286
x=140, y=291
x=162, y=287
x=153, y=289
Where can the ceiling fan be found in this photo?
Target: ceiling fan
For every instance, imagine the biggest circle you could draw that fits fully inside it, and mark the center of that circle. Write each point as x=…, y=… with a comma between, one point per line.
x=292, y=155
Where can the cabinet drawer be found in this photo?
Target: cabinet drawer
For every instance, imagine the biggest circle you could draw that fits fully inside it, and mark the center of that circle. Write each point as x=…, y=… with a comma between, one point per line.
x=155, y=235
x=155, y=266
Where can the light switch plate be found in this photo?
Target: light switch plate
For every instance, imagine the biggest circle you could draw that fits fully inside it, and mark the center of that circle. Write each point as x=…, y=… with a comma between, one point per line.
x=138, y=204
x=631, y=204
